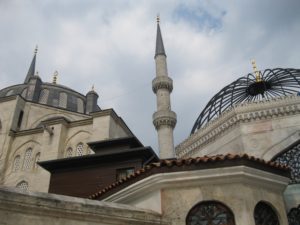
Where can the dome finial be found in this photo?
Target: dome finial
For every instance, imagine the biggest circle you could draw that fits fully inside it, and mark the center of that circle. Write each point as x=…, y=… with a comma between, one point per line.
x=157, y=18
x=55, y=75
x=93, y=87
x=257, y=75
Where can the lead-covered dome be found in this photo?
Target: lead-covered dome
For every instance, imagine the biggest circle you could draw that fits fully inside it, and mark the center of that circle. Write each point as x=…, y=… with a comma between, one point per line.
x=265, y=84
x=52, y=94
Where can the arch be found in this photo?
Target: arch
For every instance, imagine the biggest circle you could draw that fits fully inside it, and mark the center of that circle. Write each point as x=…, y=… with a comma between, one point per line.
x=9, y=93
x=210, y=213
x=264, y=214
x=23, y=185
x=76, y=133
x=29, y=143
x=27, y=159
x=62, y=100
x=49, y=116
x=24, y=92
x=44, y=94
x=69, y=152
x=79, y=149
x=17, y=163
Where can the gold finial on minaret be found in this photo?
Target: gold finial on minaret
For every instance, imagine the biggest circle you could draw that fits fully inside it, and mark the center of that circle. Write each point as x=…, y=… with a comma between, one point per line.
x=257, y=74
x=93, y=87
x=157, y=18
x=36, y=49
x=55, y=75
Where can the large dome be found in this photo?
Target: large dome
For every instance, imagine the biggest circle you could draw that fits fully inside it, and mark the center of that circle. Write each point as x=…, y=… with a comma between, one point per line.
x=265, y=84
x=52, y=94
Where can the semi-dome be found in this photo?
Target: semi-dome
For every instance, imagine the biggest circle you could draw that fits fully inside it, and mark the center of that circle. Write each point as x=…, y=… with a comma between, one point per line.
x=52, y=94
x=265, y=84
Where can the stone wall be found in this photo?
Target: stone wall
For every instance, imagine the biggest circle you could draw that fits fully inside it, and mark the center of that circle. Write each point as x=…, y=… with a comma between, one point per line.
x=17, y=208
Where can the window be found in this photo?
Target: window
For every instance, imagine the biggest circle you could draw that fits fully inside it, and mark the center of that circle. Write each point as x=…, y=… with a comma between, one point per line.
x=265, y=215
x=69, y=152
x=291, y=158
x=10, y=92
x=27, y=159
x=23, y=186
x=79, y=149
x=44, y=96
x=294, y=216
x=210, y=213
x=79, y=105
x=124, y=172
x=62, y=100
x=37, y=159
x=17, y=163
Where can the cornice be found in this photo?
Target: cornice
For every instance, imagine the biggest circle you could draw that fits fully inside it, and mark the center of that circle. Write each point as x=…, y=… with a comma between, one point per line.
x=241, y=113
x=26, y=132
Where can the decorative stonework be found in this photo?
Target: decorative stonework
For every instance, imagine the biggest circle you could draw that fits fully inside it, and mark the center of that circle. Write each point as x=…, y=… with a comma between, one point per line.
x=242, y=113
x=162, y=82
x=164, y=118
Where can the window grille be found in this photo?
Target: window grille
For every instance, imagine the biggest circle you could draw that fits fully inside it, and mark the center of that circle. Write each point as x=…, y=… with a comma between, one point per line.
x=10, y=92
x=62, y=100
x=69, y=152
x=291, y=158
x=24, y=93
x=37, y=159
x=294, y=216
x=17, y=163
x=124, y=172
x=79, y=149
x=23, y=186
x=44, y=96
x=265, y=215
x=210, y=213
x=79, y=105
x=27, y=159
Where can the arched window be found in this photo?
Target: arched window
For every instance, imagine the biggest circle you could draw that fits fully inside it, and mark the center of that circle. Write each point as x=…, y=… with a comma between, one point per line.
x=23, y=186
x=37, y=159
x=210, y=213
x=17, y=163
x=291, y=158
x=69, y=152
x=79, y=105
x=44, y=96
x=9, y=93
x=24, y=93
x=294, y=216
x=27, y=159
x=62, y=100
x=265, y=215
x=79, y=149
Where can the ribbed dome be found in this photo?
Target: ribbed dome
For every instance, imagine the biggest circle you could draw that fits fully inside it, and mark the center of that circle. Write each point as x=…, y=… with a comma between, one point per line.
x=269, y=84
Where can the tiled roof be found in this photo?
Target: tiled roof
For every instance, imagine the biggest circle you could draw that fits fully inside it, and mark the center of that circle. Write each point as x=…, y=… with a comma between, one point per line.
x=187, y=164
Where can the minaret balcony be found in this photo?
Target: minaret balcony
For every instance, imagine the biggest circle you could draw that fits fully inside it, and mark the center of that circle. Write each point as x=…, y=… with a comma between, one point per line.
x=164, y=118
x=162, y=82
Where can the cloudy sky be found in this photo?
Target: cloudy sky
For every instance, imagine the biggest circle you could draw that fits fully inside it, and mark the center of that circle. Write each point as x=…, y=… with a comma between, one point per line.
x=111, y=44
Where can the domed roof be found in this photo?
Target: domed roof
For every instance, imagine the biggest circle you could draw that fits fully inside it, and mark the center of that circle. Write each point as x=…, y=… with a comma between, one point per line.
x=265, y=84
x=52, y=94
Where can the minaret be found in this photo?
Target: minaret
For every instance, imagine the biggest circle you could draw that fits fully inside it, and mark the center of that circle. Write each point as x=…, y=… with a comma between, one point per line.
x=31, y=71
x=164, y=119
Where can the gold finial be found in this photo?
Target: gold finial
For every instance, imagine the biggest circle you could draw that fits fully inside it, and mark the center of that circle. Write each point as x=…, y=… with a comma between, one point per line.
x=93, y=87
x=55, y=75
x=257, y=74
x=158, y=18
x=36, y=49
x=37, y=73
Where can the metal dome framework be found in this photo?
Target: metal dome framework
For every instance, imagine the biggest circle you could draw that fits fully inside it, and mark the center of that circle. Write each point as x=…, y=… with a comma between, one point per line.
x=265, y=84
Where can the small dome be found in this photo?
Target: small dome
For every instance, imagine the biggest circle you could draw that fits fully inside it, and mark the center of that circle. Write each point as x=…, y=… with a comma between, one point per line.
x=267, y=84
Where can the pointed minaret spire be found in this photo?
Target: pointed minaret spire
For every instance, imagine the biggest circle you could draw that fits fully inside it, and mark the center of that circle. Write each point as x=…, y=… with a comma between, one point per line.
x=31, y=70
x=160, y=50
x=164, y=119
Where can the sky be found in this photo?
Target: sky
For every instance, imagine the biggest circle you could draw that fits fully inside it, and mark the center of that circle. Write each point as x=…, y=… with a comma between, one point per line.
x=110, y=44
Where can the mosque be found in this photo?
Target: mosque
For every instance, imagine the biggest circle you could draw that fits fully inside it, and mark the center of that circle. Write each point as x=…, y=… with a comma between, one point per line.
x=64, y=160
